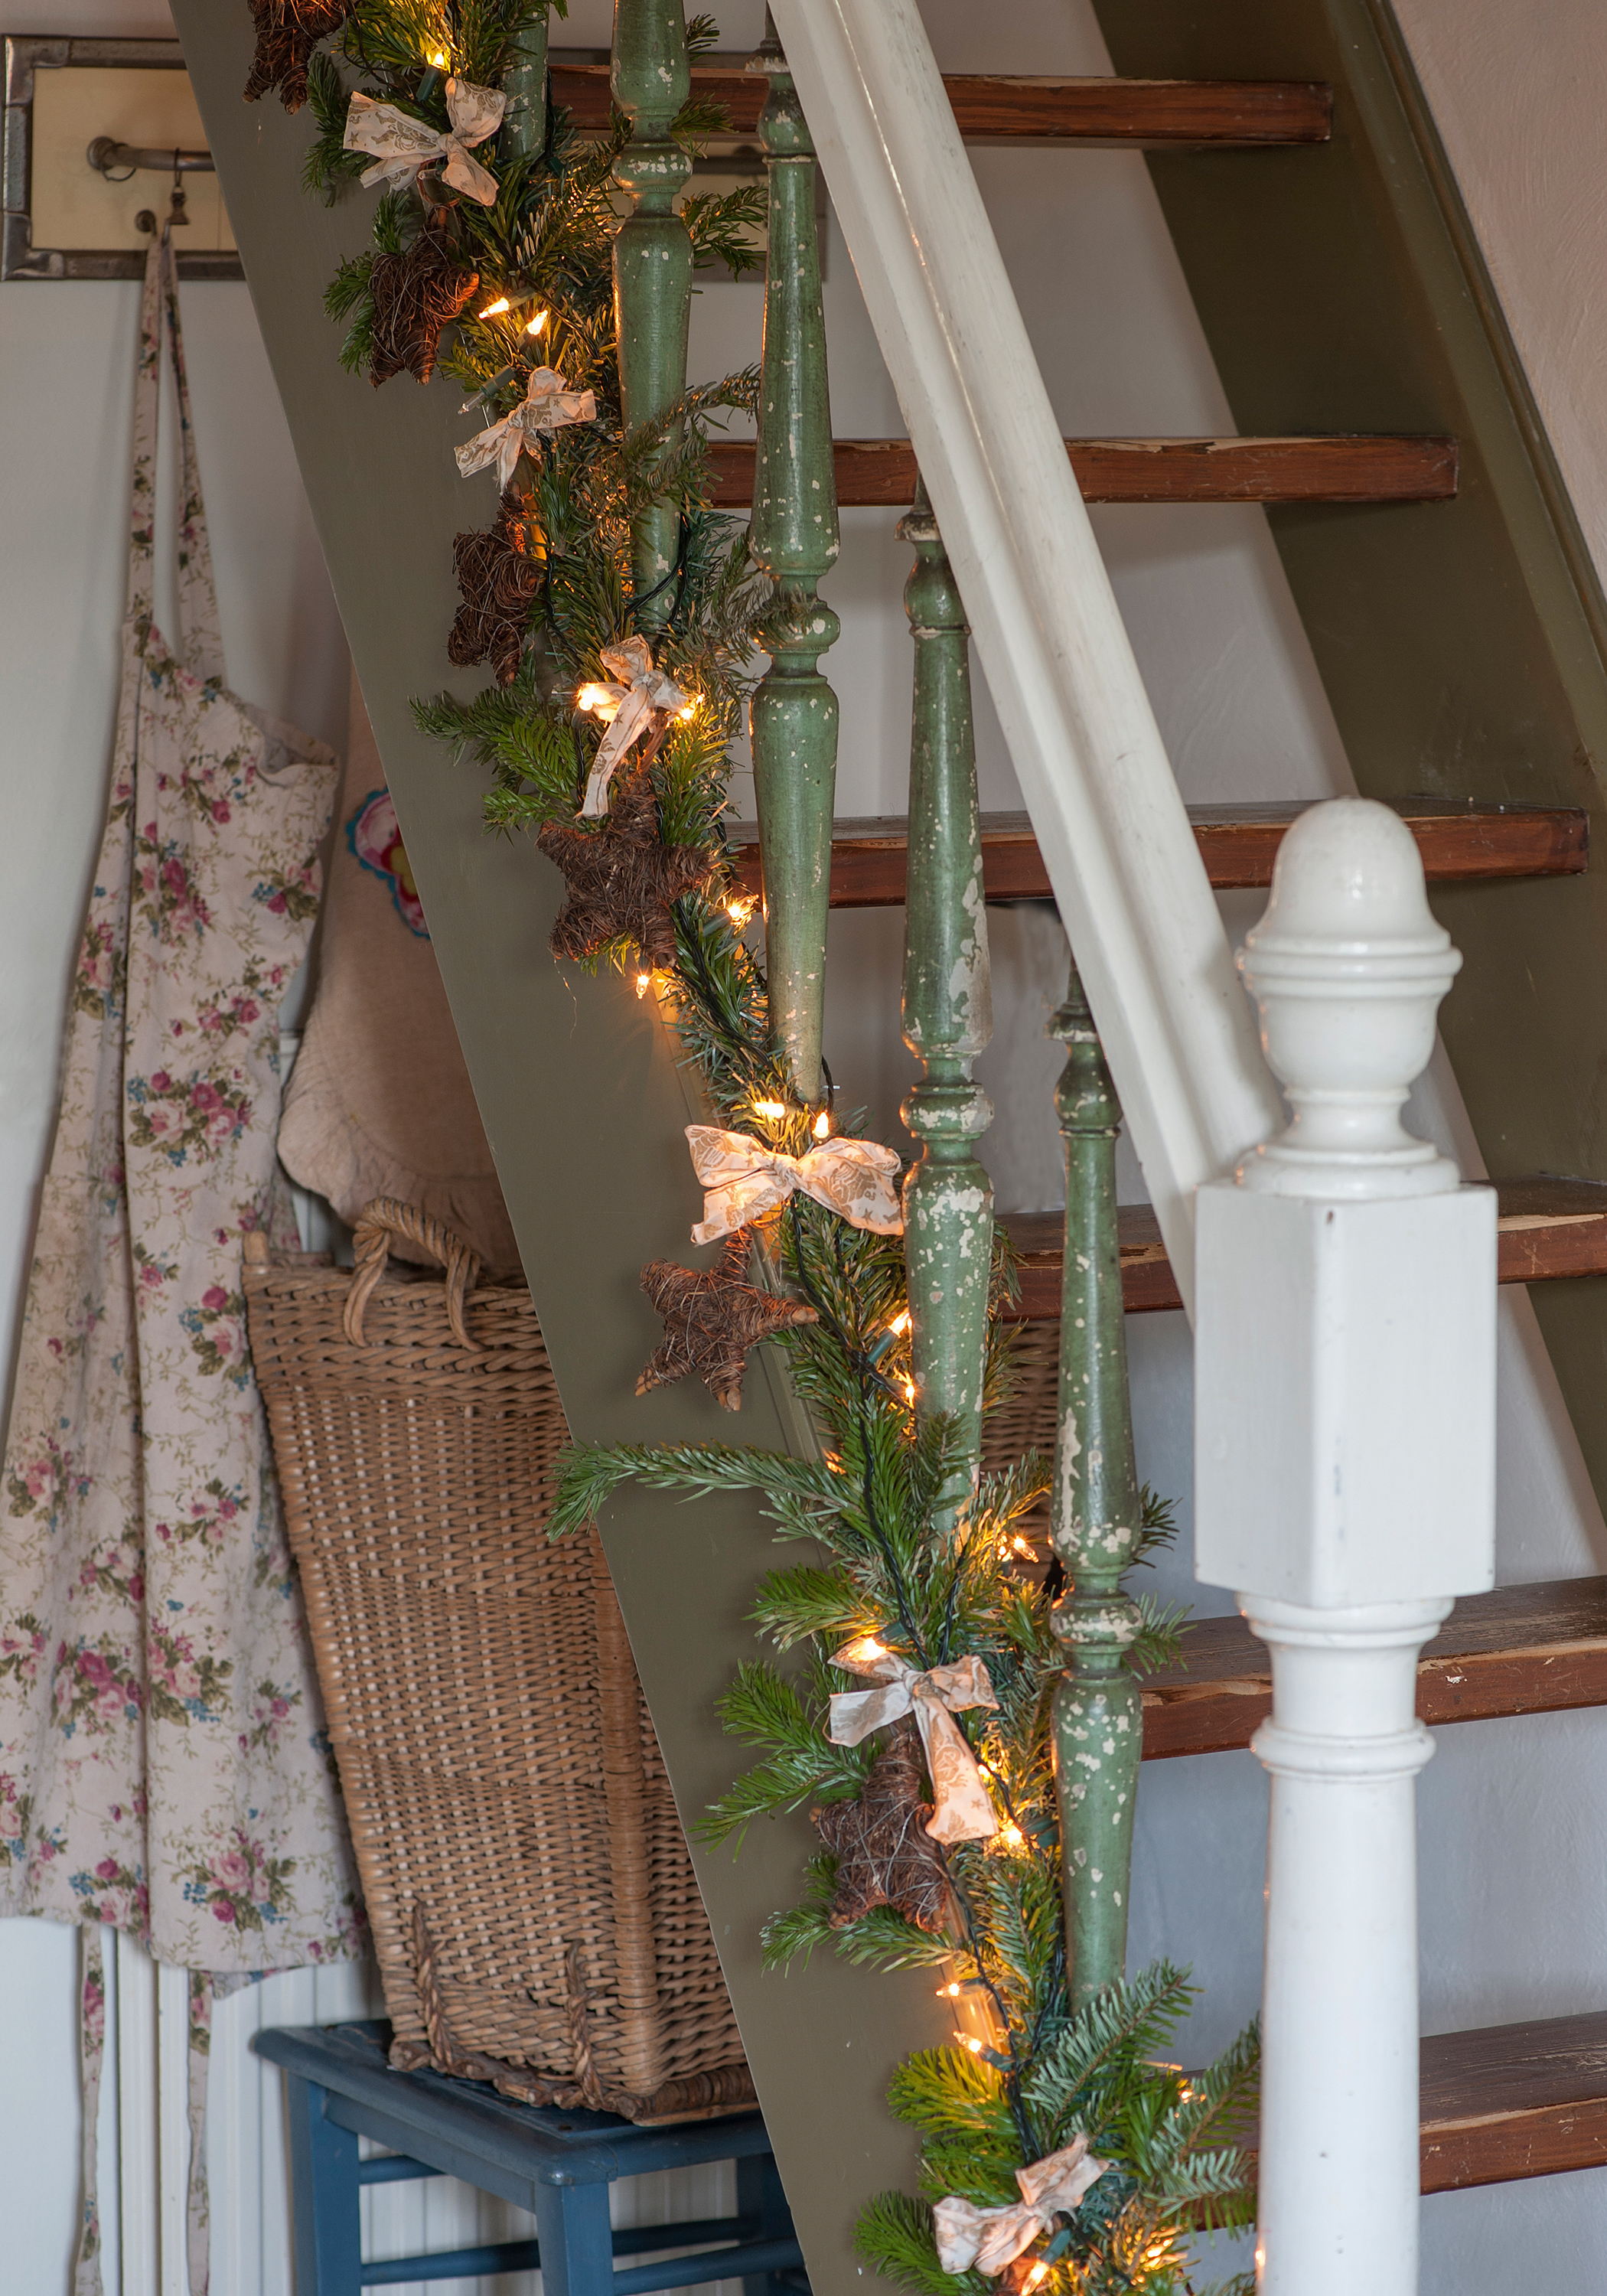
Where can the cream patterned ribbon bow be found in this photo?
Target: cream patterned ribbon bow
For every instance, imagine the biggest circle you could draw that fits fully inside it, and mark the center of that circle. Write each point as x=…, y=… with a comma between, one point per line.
x=400, y=146
x=548, y=405
x=742, y=1180
x=627, y=709
x=992, y=2238
x=962, y=1810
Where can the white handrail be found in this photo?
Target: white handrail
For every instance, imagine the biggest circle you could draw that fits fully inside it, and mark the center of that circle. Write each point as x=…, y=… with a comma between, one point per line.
x=1087, y=752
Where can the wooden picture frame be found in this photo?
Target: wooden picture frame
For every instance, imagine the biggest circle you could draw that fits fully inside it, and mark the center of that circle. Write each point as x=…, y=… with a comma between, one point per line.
x=27, y=57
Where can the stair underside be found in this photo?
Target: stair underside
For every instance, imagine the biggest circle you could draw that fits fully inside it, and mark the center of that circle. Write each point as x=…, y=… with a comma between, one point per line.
x=1035, y=109
x=1238, y=843
x=1546, y=1229
x=1522, y=1650
x=1367, y=467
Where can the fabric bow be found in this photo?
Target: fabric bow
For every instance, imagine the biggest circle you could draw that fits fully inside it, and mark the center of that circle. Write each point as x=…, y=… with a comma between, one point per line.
x=742, y=1180
x=992, y=2238
x=962, y=1810
x=400, y=146
x=548, y=405
x=627, y=711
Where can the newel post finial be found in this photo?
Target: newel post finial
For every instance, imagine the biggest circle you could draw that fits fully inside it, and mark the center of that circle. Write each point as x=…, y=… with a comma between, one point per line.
x=1347, y=968
x=1344, y=1485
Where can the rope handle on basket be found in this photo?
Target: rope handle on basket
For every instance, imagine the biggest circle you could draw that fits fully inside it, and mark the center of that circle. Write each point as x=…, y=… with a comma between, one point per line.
x=382, y=1219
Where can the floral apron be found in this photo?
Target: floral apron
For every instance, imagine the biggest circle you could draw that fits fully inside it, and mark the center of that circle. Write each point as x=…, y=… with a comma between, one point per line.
x=164, y=1767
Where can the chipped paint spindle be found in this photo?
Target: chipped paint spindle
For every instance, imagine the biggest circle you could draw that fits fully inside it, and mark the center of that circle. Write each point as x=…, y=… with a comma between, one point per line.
x=524, y=126
x=1095, y=1525
x=947, y=1010
x=653, y=264
x=793, y=537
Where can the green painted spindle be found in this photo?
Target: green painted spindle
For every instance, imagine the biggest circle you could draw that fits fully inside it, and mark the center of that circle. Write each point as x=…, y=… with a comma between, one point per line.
x=524, y=83
x=793, y=538
x=1095, y=1523
x=947, y=1009
x=653, y=262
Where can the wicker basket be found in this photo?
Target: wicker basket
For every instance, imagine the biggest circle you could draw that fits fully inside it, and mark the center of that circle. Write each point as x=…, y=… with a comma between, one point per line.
x=1026, y=1421
x=534, y=1908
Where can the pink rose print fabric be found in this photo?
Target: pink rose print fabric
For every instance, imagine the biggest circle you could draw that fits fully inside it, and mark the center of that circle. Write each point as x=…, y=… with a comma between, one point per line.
x=163, y=1762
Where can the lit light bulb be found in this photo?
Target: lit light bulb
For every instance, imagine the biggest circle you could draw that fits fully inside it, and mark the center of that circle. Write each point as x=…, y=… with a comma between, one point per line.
x=1010, y=1837
x=1022, y=1545
x=968, y=2041
x=644, y=981
x=738, y=909
x=1039, y=2272
x=901, y=1324
x=437, y=61
x=598, y=699
x=952, y=1991
x=536, y=325
x=909, y=1391
x=823, y=1125
x=495, y=310
x=772, y=1111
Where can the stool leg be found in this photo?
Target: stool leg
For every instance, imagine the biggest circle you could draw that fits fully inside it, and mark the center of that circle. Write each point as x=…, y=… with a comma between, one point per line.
x=576, y=2240
x=760, y=2199
x=323, y=2196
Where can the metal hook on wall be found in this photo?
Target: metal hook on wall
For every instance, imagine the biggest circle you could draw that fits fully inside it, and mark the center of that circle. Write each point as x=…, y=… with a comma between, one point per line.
x=177, y=211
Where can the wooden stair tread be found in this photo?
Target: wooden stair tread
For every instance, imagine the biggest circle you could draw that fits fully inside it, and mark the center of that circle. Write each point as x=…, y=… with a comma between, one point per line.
x=1546, y=1229
x=1505, y=2102
x=1343, y=469
x=1238, y=843
x=1500, y=2103
x=1022, y=108
x=1522, y=1650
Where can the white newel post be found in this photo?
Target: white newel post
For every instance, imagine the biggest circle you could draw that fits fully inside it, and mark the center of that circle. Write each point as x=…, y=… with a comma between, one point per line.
x=1345, y=1347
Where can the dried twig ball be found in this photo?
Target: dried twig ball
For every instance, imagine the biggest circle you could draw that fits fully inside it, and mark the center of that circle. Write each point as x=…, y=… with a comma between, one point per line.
x=499, y=578
x=415, y=295
x=287, y=33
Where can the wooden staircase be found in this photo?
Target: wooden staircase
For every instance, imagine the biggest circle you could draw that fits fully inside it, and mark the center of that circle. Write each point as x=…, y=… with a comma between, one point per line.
x=1353, y=470
x=1502, y=2102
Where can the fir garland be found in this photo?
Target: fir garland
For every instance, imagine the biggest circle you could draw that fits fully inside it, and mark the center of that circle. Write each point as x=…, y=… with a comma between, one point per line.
x=1025, y=2077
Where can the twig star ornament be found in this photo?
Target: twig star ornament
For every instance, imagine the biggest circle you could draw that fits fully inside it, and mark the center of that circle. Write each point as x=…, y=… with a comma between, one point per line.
x=712, y=1317
x=499, y=576
x=414, y=296
x=287, y=33
x=623, y=880
x=885, y=1857
x=400, y=146
x=548, y=405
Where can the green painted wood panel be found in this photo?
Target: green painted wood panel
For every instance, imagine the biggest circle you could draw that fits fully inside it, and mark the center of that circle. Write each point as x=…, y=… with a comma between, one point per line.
x=584, y=1108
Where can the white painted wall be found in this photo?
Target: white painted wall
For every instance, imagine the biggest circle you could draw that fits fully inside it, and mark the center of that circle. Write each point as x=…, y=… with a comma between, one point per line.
x=1520, y=95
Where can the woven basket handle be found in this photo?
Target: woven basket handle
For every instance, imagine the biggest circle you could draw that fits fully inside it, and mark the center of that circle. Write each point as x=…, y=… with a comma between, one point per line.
x=382, y=1219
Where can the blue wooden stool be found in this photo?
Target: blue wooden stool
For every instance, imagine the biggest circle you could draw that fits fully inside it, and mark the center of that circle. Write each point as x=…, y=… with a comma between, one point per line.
x=557, y=2165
